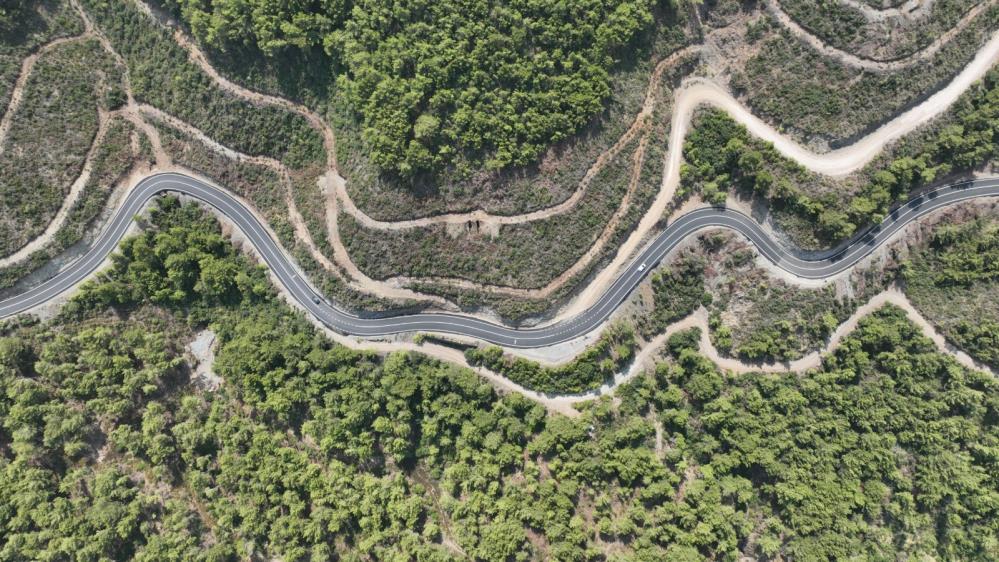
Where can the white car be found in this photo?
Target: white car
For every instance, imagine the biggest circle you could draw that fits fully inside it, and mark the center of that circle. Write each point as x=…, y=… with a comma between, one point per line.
x=641, y=267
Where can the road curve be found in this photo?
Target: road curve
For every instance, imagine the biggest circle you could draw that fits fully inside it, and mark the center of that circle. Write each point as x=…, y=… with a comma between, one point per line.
x=816, y=267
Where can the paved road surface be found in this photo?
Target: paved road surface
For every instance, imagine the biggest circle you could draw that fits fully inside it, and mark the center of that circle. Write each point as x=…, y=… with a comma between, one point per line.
x=817, y=267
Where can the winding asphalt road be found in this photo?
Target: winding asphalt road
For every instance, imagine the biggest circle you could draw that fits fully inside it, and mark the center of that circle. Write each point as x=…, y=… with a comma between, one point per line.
x=815, y=267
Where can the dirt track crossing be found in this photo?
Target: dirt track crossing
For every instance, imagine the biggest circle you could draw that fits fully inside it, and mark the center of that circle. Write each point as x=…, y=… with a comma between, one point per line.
x=692, y=95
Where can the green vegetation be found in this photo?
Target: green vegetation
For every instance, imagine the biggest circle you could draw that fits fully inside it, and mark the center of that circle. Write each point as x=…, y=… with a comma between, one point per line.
x=520, y=76
x=113, y=157
x=512, y=257
x=10, y=14
x=163, y=76
x=595, y=366
x=447, y=84
x=778, y=322
x=965, y=254
x=23, y=30
x=841, y=455
x=183, y=262
x=846, y=28
x=677, y=291
x=837, y=24
x=789, y=84
x=312, y=451
x=720, y=155
x=50, y=136
x=953, y=279
x=264, y=24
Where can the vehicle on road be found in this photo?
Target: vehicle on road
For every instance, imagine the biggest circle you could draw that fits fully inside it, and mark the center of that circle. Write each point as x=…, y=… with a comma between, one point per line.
x=820, y=266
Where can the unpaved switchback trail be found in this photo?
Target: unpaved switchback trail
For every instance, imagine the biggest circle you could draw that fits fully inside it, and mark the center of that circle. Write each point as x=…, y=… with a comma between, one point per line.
x=17, y=94
x=652, y=351
x=639, y=125
x=694, y=94
x=199, y=58
x=75, y=189
x=773, y=6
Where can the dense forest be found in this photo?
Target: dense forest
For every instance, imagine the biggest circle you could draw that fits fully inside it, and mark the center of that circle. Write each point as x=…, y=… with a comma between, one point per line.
x=445, y=83
x=11, y=14
x=295, y=448
x=956, y=275
x=110, y=449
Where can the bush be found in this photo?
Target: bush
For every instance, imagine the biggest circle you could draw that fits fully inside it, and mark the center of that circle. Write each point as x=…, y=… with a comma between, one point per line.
x=50, y=136
x=952, y=280
x=309, y=450
x=448, y=83
x=677, y=292
x=720, y=155
x=601, y=361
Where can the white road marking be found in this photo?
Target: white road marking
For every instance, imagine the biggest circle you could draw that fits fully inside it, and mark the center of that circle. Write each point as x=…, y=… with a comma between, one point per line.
x=824, y=265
